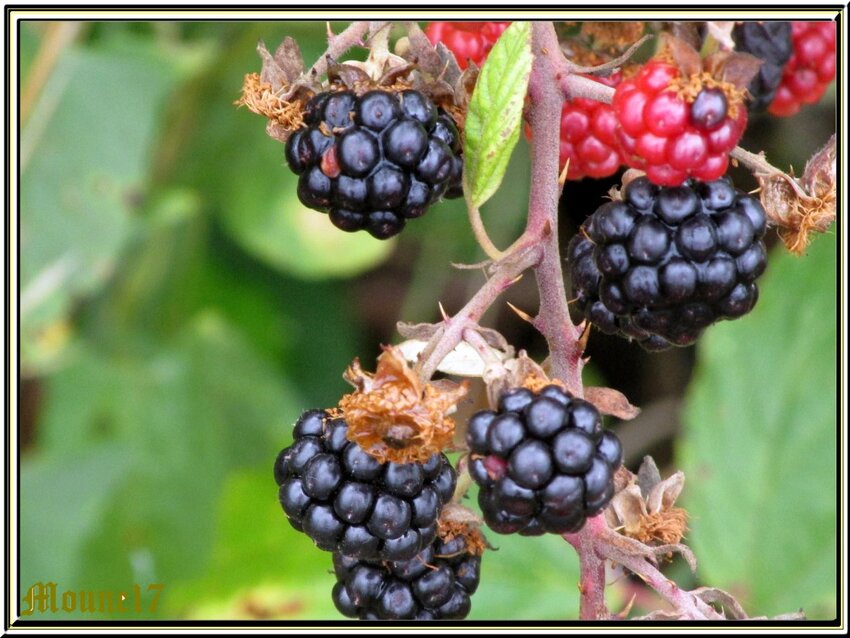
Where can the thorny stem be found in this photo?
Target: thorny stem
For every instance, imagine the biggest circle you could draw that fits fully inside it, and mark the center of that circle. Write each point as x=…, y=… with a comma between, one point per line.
x=544, y=114
x=445, y=340
x=595, y=543
x=592, y=578
x=339, y=44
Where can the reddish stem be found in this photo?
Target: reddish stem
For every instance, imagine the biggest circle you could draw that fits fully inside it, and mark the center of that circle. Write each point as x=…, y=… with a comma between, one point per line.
x=592, y=580
x=544, y=114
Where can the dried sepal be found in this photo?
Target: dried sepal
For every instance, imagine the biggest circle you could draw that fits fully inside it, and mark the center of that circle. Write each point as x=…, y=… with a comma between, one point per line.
x=284, y=67
x=394, y=416
x=737, y=69
x=728, y=71
x=688, y=32
x=802, y=206
x=612, y=402
x=681, y=53
x=459, y=522
x=280, y=90
x=521, y=371
x=645, y=508
x=733, y=609
x=262, y=98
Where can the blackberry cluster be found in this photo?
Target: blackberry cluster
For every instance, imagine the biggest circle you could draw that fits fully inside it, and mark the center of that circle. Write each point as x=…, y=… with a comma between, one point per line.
x=542, y=461
x=665, y=263
x=434, y=585
x=346, y=501
x=771, y=43
x=376, y=160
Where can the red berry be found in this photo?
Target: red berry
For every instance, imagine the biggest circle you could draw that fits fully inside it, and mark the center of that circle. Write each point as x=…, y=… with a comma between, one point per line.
x=469, y=41
x=809, y=71
x=661, y=132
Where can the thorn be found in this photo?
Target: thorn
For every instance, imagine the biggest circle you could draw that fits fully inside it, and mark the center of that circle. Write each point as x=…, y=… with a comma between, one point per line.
x=562, y=178
x=513, y=281
x=443, y=312
x=331, y=35
x=522, y=314
x=583, y=231
x=585, y=335
x=624, y=613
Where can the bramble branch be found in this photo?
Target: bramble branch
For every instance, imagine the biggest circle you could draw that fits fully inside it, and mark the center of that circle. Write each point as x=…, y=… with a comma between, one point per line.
x=338, y=44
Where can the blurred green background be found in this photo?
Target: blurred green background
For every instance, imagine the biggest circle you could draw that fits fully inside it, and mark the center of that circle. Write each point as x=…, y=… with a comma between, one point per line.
x=179, y=308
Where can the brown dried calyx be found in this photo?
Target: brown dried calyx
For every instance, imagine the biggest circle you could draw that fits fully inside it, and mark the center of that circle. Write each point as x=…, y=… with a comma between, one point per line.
x=459, y=522
x=729, y=71
x=396, y=417
x=805, y=205
x=644, y=509
x=282, y=88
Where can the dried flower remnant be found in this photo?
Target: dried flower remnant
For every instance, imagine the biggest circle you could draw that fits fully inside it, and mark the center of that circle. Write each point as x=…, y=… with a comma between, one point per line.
x=459, y=528
x=396, y=417
x=645, y=508
x=800, y=207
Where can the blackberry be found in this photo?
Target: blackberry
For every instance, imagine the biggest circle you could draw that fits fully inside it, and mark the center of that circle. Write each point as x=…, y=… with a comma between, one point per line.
x=542, y=461
x=664, y=263
x=771, y=43
x=376, y=160
x=434, y=585
x=345, y=500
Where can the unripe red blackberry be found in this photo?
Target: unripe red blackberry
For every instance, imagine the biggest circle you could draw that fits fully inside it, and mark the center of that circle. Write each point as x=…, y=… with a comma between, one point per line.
x=670, y=137
x=810, y=70
x=664, y=263
x=345, y=500
x=375, y=160
x=434, y=585
x=542, y=461
x=469, y=41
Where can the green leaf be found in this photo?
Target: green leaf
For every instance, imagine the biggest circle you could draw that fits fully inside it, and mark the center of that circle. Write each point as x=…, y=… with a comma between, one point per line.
x=84, y=153
x=184, y=416
x=62, y=500
x=269, y=565
x=759, y=449
x=527, y=579
x=295, y=239
x=495, y=113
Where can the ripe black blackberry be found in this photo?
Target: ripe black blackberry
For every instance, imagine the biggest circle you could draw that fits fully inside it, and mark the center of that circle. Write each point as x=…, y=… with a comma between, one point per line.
x=434, y=585
x=771, y=43
x=665, y=263
x=542, y=461
x=376, y=160
x=347, y=501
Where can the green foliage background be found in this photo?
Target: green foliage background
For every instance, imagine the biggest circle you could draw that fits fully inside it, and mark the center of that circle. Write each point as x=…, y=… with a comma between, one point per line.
x=180, y=308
